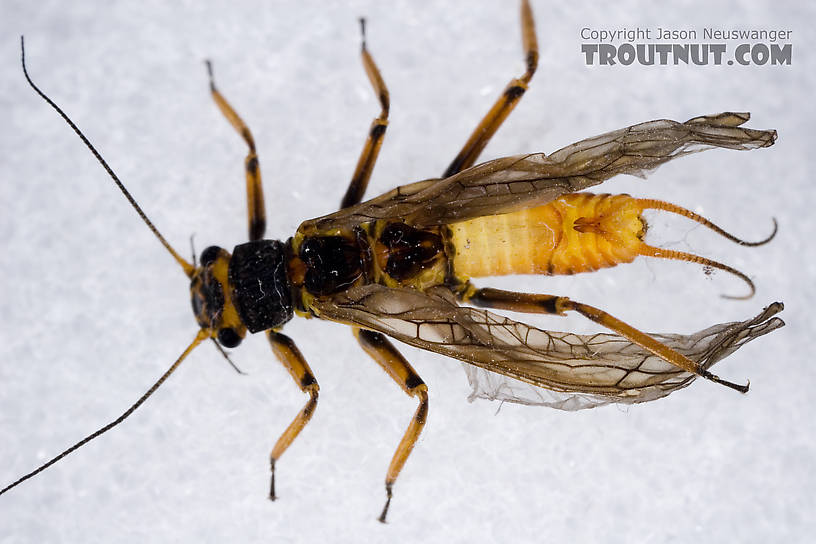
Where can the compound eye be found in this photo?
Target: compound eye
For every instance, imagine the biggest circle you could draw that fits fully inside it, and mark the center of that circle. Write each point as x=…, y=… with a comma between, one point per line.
x=209, y=255
x=228, y=338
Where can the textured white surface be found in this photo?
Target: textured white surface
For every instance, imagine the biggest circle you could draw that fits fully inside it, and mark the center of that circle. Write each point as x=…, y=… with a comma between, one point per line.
x=93, y=310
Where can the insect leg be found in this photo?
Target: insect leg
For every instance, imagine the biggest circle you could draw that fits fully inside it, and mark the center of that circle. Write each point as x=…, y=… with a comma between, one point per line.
x=505, y=103
x=365, y=164
x=289, y=355
x=382, y=351
x=255, y=200
x=550, y=304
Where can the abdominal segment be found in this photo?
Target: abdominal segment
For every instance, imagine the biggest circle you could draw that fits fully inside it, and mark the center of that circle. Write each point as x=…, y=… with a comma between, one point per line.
x=578, y=232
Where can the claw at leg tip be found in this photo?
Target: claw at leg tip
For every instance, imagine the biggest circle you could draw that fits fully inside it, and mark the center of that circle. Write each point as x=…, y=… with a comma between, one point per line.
x=387, y=504
x=272, y=496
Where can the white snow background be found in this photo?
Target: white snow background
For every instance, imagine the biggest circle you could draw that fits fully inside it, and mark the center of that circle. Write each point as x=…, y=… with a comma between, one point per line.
x=93, y=310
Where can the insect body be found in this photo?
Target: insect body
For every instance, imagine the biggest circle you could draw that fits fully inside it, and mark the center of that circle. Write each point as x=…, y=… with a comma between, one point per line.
x=401, y=265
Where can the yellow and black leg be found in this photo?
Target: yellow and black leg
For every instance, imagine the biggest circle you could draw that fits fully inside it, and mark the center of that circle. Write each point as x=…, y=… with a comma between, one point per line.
x=291, y=358
x=550, y=304
x=395, y=365
x=505, y=103
x=255, y=199
x=374, y=140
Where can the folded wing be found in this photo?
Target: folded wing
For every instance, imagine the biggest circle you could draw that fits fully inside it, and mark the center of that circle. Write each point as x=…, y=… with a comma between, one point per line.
x=515, y=362
x=512, y=183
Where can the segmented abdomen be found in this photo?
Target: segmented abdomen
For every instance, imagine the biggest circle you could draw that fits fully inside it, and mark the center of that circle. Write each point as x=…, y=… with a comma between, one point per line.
x=577, y=232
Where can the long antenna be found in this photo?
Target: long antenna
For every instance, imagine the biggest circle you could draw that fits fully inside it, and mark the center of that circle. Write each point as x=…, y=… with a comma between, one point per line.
x=188, y=268
x=201, y=336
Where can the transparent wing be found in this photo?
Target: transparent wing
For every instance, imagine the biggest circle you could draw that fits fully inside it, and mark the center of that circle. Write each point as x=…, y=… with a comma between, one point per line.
x=514, y=361
x=512, y=183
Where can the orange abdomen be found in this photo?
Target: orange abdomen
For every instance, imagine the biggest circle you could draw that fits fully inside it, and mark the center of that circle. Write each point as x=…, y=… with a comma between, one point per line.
x=578, y=232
